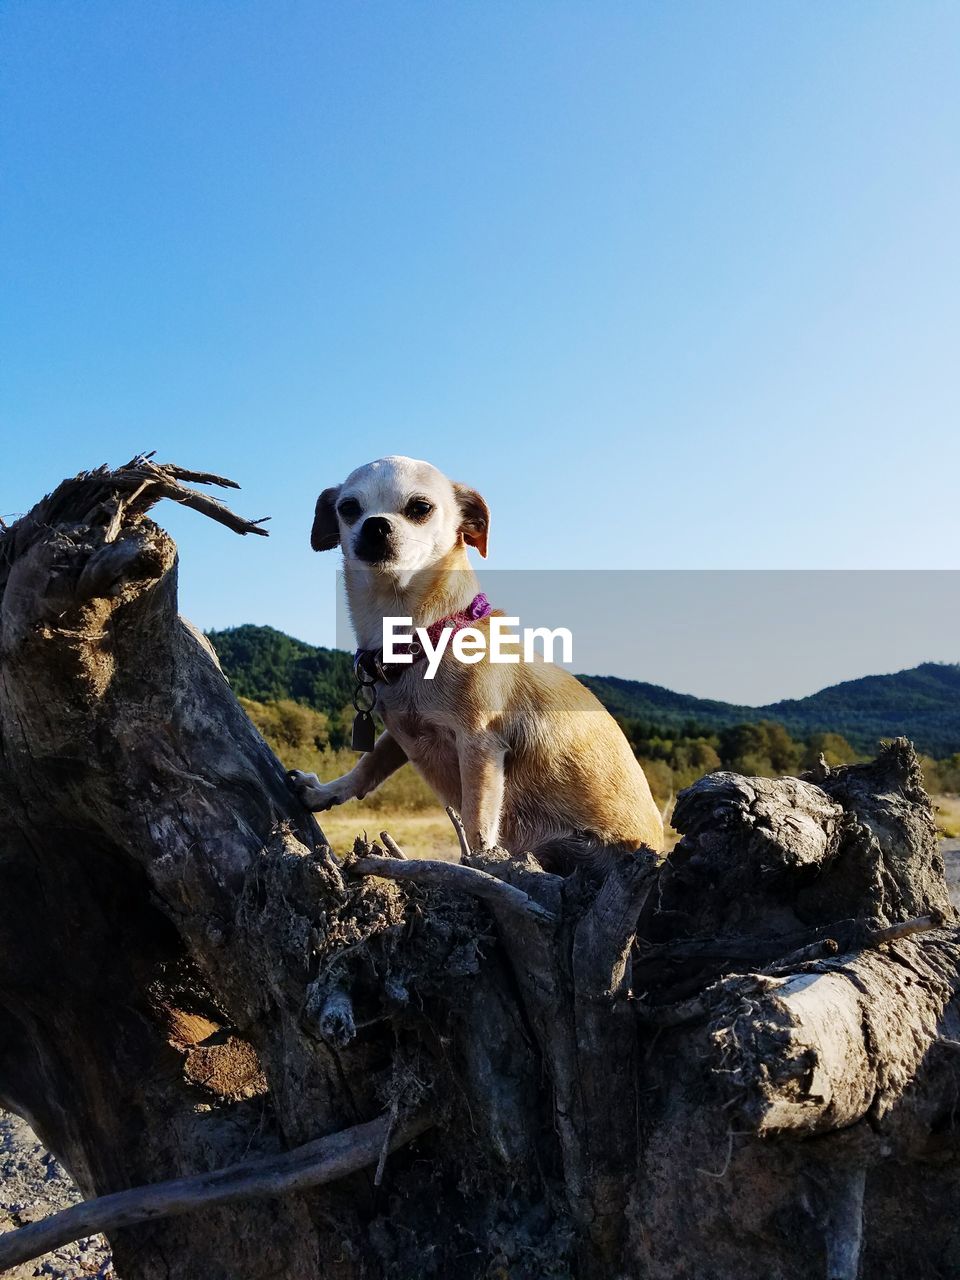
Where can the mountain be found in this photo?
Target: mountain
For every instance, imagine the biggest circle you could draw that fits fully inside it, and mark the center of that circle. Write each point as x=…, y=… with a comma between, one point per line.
x=923, y=702
x=265, y=664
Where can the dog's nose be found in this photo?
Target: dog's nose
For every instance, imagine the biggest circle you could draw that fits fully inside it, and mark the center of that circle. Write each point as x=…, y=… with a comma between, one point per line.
x=374, y=543
x=376, y=529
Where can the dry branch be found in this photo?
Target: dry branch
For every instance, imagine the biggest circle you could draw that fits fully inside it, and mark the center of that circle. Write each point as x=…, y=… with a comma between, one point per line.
x=905, y=929
x=311, y=1165
x=456, y=878
x=821, y=1049
x=461, y=832
x=391, y=846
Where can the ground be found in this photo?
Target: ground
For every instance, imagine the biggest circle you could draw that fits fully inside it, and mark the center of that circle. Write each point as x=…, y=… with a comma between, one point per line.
x=423, y=833
x=951, y=858
x=32, y=1185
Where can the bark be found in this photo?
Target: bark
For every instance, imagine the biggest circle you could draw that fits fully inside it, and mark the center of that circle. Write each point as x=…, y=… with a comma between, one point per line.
x=740, y=1061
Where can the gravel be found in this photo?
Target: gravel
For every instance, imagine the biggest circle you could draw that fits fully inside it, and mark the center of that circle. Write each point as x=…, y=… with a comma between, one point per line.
x=951, y=861
x=32, y=1186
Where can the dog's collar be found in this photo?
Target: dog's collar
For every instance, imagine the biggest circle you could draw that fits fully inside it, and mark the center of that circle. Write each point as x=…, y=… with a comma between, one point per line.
x=368, y=664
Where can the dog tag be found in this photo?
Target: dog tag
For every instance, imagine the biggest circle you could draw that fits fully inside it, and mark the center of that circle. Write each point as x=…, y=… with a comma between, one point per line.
x=364, y=737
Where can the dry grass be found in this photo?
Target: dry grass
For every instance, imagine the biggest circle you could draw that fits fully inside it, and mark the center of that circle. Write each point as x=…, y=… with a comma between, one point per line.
x=948, y=814
x=427, y=833
x=420, y=833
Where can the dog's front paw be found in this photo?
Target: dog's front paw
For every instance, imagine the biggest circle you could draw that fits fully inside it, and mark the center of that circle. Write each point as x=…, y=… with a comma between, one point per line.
x=314, y=794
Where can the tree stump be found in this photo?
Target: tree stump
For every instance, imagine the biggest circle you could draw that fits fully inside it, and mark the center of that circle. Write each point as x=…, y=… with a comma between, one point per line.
x=739, y=1061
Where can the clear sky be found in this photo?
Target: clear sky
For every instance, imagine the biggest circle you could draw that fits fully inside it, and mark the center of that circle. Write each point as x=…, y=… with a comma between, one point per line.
x=674, y=285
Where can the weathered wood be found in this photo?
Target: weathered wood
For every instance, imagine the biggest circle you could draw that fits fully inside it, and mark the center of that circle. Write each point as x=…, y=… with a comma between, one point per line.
x=497, y=894
x=607, y=1049
x=730, y=1062
x=821, y=1049
x=311, y=1165
x=391, y=846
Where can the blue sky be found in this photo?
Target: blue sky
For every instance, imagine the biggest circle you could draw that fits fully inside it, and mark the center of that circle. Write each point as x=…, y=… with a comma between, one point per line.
x=676, y=286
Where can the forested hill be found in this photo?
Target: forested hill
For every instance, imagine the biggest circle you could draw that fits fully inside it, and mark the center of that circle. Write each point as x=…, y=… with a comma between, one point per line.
x=923, y=702
x=265, y=664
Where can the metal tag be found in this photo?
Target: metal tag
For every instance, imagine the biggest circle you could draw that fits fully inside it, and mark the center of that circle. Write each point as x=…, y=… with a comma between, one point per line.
x=364, y=735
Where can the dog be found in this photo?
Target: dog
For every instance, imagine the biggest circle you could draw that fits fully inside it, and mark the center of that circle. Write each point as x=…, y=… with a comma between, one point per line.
x=529, y=757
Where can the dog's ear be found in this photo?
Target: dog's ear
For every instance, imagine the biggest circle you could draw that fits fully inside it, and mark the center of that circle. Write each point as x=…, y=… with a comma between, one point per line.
x=325, y=533
x=474, y=517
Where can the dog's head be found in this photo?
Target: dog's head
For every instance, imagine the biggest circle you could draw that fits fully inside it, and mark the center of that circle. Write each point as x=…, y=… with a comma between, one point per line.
x=398, y=514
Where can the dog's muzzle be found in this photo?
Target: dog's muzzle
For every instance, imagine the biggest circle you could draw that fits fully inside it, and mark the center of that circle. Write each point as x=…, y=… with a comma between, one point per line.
x=375, y=543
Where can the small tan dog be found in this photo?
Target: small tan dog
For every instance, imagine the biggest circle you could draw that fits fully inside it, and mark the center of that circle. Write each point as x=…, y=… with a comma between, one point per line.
x=529, y=757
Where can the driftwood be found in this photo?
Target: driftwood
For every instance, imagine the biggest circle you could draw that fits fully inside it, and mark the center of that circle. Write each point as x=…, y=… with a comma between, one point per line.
x=311, y=1165
x=740, y=1061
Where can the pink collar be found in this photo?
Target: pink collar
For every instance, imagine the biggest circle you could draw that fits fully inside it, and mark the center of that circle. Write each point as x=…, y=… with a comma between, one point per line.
x=479, y=607
x=369, y=662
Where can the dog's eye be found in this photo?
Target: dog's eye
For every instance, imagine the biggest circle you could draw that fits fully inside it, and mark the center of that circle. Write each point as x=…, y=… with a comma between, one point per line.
x=418, y=509
x=349, y=508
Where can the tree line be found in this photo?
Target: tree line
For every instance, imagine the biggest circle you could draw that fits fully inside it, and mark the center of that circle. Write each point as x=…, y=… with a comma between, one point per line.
x=298, y=695
x=305, y=738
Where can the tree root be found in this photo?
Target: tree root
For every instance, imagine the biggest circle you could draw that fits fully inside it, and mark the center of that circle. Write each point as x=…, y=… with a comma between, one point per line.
x=311, y=1165
x=457, y=878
